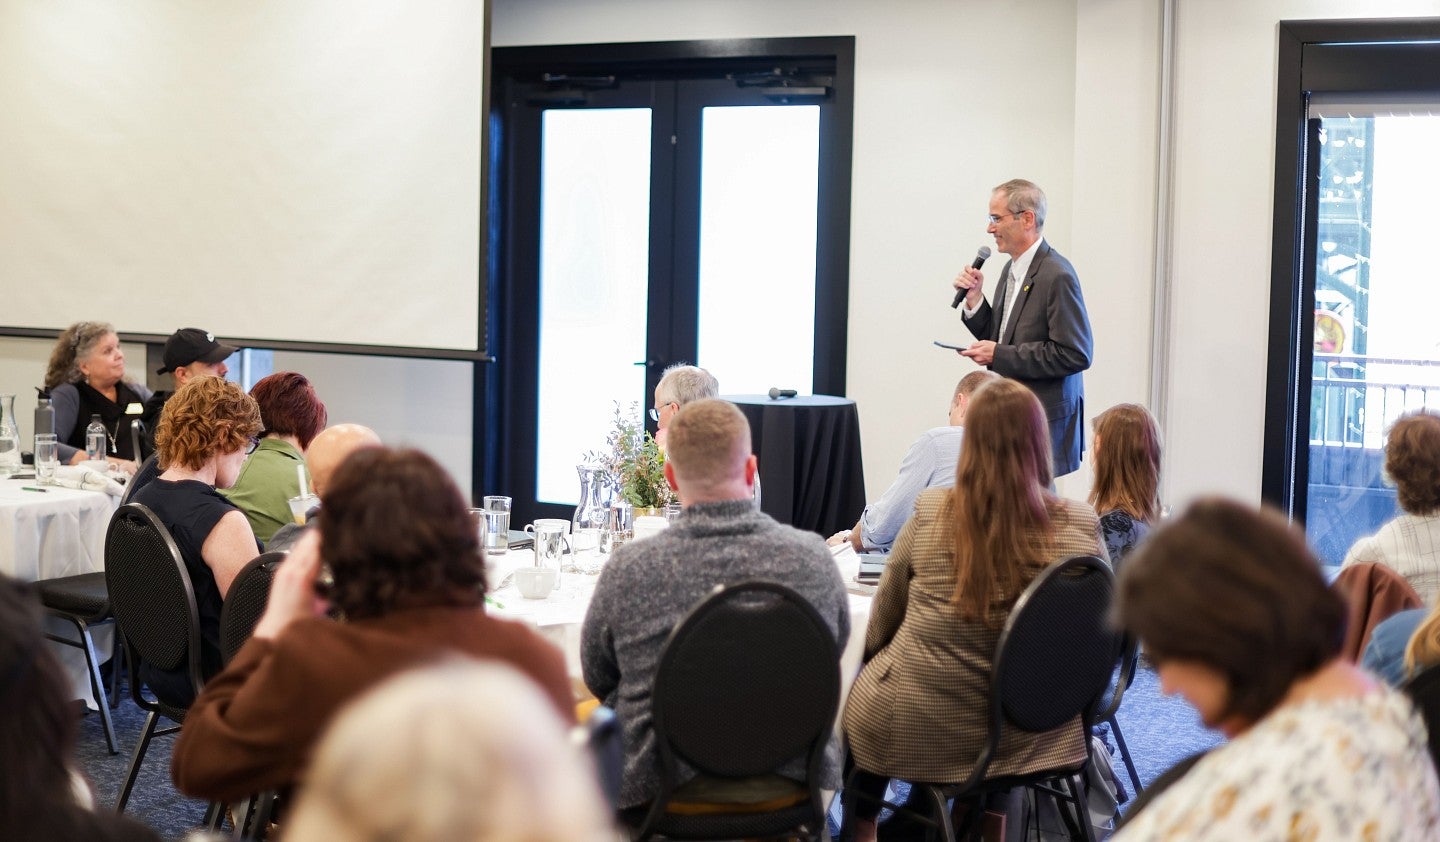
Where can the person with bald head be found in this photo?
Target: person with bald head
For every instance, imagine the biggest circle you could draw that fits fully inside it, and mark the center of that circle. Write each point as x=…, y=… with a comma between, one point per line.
x=650, y=584
x=330, y=447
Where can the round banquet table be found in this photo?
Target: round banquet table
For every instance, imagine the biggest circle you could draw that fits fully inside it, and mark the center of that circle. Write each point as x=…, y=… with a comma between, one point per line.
x=54, y=533
x=811, y=475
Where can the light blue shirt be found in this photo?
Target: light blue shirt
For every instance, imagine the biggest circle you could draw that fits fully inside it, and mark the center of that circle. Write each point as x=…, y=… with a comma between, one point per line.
x=1385, y=654
x=930, y=463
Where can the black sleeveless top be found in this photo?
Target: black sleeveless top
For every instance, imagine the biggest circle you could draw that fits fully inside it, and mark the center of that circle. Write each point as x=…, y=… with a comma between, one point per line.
x=113, y=414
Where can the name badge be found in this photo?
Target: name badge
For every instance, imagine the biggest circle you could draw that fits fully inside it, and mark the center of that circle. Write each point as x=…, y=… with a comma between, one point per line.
x=134, y=408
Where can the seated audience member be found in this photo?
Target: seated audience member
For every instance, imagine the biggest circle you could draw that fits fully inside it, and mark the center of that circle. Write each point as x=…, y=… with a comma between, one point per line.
x=1410, y=544
x=41, y=796
x=189, y=353
x=86, y=377
x=650, y=585
x=930, y=463
x=1233, y=610
x=205, y=432
x=409, y=579
x=1389, y=655
x=918, y=710
x=292, y=415
x=406, y=762
x=326, y=452
x=1126, y=490
x=679, y=385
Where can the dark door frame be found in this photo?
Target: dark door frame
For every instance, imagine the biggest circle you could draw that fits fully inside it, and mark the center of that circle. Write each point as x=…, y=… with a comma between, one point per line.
x=501, y=447
x=1398, y=55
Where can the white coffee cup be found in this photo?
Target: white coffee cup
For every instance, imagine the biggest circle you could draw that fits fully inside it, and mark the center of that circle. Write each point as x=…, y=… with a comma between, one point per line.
x=535, y=582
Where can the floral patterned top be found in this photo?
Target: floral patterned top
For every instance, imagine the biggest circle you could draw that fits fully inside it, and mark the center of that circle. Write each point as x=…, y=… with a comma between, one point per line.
x=1346, y=769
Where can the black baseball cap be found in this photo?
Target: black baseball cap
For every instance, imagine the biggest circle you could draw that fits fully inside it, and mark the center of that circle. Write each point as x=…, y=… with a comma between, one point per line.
x=191, y=344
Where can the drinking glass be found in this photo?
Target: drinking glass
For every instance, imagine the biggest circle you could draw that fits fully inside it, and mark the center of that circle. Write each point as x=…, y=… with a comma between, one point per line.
x=300, y=506
x=47, y=458
x=496, y=535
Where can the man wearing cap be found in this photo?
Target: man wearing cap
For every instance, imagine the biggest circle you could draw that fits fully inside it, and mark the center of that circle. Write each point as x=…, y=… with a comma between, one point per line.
x=189, y=353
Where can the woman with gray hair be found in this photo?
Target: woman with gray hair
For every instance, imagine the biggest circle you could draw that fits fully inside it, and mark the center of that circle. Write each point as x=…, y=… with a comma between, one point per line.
x=86, y=377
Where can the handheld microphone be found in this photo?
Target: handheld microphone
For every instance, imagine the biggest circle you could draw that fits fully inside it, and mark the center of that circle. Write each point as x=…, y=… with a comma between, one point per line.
x=980, y=258
x=777, y=394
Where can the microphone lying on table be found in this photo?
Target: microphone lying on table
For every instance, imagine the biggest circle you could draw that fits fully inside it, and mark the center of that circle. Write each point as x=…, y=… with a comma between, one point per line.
x=777, y=394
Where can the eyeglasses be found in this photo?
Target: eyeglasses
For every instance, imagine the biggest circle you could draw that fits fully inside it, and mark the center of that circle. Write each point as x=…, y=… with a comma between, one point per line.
x=250, y=444
x=993, y=219
x=655, y=411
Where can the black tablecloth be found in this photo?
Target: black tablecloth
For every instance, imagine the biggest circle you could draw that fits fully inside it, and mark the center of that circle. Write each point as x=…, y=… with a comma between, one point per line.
x=809, y=448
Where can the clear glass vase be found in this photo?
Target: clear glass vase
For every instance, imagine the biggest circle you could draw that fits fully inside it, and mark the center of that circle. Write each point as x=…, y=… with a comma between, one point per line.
x=9, y=438
x=593, y=514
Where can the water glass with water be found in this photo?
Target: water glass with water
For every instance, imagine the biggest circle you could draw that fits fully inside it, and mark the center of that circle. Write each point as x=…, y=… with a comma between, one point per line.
x=495, y=534
x=47, y=458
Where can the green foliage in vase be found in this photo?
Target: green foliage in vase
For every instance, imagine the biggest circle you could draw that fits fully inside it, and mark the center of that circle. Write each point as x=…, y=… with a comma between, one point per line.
x=634, y=461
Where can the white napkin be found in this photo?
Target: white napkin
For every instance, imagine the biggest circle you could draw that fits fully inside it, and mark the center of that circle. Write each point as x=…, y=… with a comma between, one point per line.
x=86, y=479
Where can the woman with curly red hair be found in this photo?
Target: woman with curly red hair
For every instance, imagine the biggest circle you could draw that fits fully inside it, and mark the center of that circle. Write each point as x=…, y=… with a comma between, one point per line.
x=293, y=415
x=205, y=432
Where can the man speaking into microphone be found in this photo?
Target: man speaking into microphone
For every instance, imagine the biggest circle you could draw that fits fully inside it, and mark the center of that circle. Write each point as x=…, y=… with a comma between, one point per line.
x=1037, y=332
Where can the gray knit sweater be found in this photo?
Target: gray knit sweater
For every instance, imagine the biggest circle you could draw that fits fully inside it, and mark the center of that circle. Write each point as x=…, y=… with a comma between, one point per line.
x=649, y=586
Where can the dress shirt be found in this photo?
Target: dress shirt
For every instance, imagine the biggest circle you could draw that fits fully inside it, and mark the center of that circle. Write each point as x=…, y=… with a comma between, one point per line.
x=930, y=463
x=1019, y=268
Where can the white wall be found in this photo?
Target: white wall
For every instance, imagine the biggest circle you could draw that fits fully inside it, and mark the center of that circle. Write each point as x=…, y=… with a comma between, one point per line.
x=954, y=97
x=945, y=108
x=420, y=403
x=417, y=403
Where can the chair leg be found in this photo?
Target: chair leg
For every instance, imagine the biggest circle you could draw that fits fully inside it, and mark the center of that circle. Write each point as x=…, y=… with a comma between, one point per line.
x=1125, y=756
x=139, y=754
x=942, y=812
x=117, y=663
x=97, y=684
x=86, y=644
x=214, y=816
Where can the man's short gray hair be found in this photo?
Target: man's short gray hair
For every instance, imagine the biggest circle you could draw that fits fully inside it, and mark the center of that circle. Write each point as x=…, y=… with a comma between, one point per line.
x=1021, y=196
x=686, y=383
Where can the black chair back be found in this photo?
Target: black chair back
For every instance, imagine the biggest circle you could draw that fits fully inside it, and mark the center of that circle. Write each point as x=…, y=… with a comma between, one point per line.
x=151, y=595
x=1056, y=654
x=1424, y=691
x=749, y=680
x=245, y=602
x=148, y=470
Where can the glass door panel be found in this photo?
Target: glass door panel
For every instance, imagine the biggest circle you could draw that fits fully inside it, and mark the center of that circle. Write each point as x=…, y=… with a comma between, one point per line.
x=759, y=168
x=1376, y=351
x=594, y=283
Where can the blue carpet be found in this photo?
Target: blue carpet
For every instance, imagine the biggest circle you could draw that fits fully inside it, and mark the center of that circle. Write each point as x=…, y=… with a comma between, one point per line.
x=1159, y=731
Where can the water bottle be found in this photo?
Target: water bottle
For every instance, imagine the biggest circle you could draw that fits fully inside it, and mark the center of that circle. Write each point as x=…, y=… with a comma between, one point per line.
x=95, y=436
x=9, y=437
x=44, y=416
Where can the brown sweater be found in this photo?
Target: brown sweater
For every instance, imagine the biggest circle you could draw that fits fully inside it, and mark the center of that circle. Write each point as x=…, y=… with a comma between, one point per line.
x=255, y=725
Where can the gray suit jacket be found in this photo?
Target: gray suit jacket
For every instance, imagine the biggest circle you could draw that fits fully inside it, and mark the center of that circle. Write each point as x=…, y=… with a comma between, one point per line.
x=1046, y=346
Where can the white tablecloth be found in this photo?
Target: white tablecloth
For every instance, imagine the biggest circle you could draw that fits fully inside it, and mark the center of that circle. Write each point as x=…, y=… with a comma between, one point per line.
x=57, y=532
x=560, y=616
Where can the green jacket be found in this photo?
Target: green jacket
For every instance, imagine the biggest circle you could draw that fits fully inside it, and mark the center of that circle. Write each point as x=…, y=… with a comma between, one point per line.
x=266, y=483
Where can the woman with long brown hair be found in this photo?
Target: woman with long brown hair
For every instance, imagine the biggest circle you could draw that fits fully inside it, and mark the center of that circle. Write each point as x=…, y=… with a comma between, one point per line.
x=1126, y=491
x=918, y=710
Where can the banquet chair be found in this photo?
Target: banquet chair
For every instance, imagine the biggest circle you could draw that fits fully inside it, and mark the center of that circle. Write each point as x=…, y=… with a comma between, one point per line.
x=83, y=601
x=140, y=444
x=1110, y=705
x=748, y=681
x=1054, y=660
x=245, y=602
x=148, y=470
x=154, y=606
x=1423, y=688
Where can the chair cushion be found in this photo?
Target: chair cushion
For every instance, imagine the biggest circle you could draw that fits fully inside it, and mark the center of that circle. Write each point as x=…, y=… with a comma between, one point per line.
x=84, y=595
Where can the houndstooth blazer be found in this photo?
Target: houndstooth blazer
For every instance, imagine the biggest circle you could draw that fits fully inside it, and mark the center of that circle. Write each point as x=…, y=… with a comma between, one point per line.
x=918, y=710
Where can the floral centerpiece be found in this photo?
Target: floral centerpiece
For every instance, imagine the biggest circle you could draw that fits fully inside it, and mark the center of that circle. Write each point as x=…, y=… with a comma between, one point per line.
x=634, y=461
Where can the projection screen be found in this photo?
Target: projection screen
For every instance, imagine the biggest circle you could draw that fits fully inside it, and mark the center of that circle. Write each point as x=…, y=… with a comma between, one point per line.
x=292, y=170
